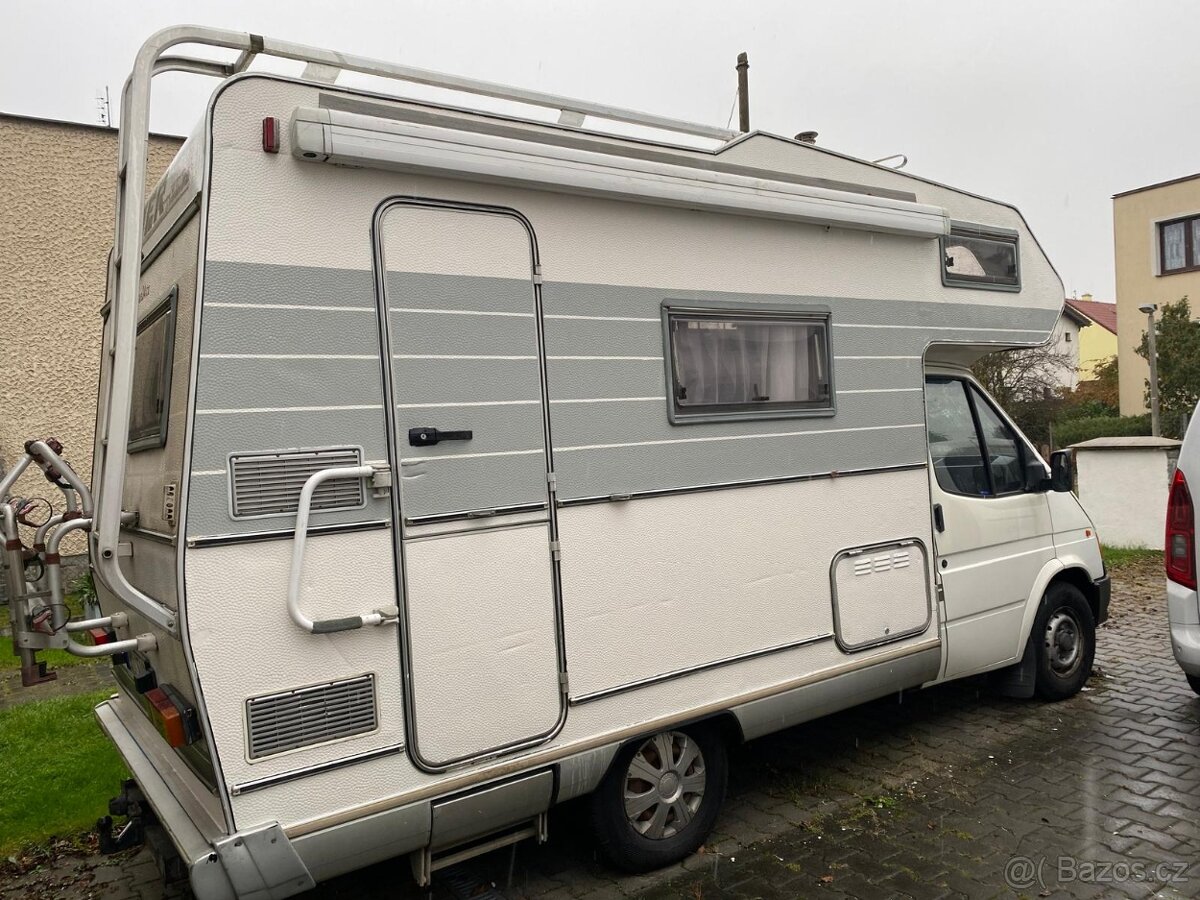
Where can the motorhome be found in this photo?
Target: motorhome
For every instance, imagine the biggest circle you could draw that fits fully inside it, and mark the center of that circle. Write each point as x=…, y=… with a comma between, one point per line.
x=454, y=463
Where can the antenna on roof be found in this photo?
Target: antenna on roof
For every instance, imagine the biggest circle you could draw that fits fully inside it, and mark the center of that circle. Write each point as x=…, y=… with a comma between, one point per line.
x=104, y=108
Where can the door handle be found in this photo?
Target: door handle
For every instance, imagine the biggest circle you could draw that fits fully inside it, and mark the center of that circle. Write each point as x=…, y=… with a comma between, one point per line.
x=939, y=519
x=427, y=437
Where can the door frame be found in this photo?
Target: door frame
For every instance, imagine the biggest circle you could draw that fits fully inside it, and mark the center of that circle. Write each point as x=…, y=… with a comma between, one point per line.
x=400, y=567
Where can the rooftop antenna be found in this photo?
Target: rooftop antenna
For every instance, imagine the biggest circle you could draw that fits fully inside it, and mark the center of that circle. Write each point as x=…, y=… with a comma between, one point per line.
x=104, y=108
x=743, y=70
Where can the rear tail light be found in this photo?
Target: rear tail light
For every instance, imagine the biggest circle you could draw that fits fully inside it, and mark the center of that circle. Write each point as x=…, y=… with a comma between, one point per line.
x=172, y=716
x=1180, y=551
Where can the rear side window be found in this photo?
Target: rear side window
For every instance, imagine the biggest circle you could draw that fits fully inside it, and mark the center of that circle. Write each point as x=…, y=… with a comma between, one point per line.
x=974, y=451
x=747, y=364
x=981, y=257
x=152, y=357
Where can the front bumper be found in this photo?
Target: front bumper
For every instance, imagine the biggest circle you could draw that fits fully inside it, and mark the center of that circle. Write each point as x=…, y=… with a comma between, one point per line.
x=1103, y=586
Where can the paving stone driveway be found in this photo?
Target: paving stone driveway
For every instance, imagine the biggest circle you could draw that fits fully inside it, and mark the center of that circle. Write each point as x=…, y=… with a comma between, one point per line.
x=944, y=793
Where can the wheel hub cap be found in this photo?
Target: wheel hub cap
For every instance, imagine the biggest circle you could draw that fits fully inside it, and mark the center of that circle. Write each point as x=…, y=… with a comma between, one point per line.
x=1063, y=642
x=664, y=785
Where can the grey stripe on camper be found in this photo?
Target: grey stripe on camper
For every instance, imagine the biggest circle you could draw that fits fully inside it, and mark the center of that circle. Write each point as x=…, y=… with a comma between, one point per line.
x=263, y=283
x=255, y=383
x=506, y=297
x=449, y=484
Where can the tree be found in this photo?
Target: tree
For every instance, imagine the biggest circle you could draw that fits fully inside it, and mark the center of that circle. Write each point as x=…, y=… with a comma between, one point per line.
x=1178, y=345
x=1036, y=374
x=1102, y=393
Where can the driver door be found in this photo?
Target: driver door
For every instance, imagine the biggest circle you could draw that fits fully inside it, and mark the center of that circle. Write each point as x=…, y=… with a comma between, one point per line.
x=993, y=536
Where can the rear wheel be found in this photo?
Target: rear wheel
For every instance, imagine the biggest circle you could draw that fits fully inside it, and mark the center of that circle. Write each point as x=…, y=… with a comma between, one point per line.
x=660, y=798
x=1065, y=642
x=1194, y=681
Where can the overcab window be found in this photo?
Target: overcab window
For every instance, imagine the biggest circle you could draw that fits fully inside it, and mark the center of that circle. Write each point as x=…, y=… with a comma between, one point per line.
x=747, y=364
x=981, y=257
x=152, y=356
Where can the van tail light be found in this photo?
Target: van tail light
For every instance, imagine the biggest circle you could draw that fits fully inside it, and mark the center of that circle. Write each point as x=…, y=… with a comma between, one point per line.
x=172, y=716
x=1181, y=534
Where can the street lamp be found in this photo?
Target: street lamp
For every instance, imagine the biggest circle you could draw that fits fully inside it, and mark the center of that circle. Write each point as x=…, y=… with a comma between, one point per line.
x=1152, y=352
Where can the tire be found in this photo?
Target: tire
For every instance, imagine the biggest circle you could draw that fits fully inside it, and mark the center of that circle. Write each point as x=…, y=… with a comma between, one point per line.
x=1194, y=682
x=651, y=835
x=1064, y=636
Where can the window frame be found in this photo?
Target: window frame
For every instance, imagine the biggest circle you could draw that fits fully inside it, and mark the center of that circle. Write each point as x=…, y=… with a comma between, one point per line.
x=1190, y=250
x=728, y=412
x=994, y=233
x=972, y=390
x=156, y=438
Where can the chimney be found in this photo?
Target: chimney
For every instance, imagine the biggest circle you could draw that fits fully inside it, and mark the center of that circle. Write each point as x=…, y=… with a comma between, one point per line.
x=1086, y=298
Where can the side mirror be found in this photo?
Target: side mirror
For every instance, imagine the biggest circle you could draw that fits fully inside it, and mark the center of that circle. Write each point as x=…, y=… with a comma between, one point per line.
x=1061, y=474
x=1035, y=476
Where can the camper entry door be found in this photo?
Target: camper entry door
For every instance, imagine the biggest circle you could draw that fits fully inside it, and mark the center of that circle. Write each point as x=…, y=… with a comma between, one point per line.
x=475, y=527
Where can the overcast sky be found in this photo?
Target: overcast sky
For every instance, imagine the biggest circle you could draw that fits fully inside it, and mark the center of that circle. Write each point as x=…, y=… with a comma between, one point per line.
x=1053, y=106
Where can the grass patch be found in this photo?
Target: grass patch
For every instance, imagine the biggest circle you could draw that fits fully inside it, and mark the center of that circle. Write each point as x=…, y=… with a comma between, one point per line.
x=59, y=770
x=1116, y=557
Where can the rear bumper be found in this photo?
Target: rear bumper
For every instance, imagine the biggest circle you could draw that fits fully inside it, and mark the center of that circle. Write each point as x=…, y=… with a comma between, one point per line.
x=1103, y=586
x=207, y=876
x=1183, y=612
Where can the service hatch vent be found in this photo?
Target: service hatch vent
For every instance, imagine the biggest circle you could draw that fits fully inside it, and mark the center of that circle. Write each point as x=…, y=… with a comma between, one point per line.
x=269, y=484
x=310, y=715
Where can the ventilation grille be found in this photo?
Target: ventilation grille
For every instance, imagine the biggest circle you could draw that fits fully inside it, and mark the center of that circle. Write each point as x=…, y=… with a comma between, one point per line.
x=311, y=715
x=269, y=484
x=884, y=562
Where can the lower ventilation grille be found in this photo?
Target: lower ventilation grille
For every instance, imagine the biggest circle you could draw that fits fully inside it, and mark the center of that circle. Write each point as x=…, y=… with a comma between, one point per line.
x=310, y=715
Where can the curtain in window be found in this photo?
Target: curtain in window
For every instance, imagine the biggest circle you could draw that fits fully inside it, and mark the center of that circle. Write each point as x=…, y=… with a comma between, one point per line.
x=719, y=362
x=1173, y=252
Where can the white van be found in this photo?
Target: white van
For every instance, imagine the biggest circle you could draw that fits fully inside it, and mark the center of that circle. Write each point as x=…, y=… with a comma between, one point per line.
x=1183, y=604
x=451, y=465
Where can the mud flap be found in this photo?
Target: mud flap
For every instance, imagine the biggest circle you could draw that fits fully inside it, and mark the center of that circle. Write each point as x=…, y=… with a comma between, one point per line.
x=1018, y=680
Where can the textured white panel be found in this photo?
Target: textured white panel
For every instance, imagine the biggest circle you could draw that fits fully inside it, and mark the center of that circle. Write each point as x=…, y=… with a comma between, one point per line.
x=245, y=644
x=322, y=211
x=419, y=239
x=881, y=593
x=663, y=584
x=481, y=619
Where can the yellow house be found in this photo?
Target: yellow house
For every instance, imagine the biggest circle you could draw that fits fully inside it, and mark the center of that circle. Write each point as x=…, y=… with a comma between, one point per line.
x=1156, y=242
x=1098, y=343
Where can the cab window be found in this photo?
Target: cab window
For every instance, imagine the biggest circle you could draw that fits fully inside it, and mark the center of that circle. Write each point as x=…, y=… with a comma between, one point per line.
x=974, y=451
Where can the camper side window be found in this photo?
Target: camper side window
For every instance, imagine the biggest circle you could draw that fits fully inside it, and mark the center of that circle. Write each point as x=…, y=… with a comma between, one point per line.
x=980, y=257
x=747, y=364
x=152, y=356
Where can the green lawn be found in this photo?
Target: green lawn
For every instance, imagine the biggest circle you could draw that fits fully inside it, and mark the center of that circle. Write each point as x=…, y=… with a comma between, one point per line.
x=1116, y=557
x=54, y=658
x=57, y=770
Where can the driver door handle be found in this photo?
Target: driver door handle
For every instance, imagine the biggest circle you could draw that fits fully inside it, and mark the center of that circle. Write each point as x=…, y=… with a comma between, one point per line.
x=939, y=519
x=427, y=437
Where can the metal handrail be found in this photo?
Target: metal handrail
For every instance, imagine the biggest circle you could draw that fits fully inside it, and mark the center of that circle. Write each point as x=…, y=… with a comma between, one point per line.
x=303, y=509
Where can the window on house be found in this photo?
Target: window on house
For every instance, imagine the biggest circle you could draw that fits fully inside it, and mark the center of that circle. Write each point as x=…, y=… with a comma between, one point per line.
x=152, y=358
x=1067, y=337
x=974, y=451
x=982, y=257
x=748, y=364
x=1179, y=245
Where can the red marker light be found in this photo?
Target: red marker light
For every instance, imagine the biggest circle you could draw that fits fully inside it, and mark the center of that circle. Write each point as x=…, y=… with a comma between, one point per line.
x=166, y=717
x=270, y=135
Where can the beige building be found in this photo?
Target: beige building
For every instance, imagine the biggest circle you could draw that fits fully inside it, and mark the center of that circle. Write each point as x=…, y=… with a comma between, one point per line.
x=1156, y=238
x=57, y=186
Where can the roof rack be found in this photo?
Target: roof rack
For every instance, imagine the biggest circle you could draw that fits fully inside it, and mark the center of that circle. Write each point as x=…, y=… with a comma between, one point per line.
x=124, y=274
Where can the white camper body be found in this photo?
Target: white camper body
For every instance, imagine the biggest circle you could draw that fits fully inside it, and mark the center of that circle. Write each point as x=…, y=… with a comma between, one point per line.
x=467, y=450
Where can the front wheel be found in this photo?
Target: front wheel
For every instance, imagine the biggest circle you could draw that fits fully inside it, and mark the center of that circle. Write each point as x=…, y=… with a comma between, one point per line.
x=1064, y=636
x=660, y=798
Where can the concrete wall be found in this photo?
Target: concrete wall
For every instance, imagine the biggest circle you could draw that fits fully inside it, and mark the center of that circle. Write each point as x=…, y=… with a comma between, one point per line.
x=57, y=188
x=1135, y=243
x=1125, y=493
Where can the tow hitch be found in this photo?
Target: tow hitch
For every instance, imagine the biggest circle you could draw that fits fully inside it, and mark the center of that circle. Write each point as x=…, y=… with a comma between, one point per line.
x=131, y=805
